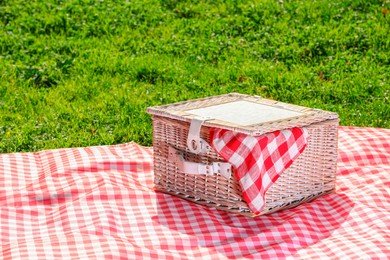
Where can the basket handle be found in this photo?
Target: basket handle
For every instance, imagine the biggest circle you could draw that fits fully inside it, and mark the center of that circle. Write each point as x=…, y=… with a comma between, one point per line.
x=188, y=167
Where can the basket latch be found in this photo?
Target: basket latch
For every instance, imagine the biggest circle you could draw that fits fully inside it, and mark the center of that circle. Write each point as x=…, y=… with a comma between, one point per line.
x=196, y=144
x=222, y=168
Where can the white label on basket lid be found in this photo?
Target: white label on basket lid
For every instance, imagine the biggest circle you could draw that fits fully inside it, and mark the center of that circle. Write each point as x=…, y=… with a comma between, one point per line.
x=245, y=113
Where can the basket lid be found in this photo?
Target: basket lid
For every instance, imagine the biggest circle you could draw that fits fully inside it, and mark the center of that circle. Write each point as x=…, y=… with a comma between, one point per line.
x=246, y=114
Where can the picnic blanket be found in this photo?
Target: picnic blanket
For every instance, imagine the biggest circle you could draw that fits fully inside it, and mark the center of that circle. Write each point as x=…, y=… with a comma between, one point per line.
x=99, y=203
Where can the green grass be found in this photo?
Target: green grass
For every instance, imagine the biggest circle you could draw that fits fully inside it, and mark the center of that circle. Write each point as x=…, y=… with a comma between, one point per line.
x=80, y=73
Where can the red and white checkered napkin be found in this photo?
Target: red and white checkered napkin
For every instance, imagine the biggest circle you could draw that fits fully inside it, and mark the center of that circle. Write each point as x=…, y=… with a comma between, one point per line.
x=258, y=161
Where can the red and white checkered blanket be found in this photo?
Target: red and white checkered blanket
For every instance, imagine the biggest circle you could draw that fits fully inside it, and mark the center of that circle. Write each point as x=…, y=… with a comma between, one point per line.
x=99, y=203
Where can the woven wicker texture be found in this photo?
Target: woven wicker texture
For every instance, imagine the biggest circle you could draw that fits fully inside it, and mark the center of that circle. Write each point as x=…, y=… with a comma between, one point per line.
x=310, y=176
x=181, y=111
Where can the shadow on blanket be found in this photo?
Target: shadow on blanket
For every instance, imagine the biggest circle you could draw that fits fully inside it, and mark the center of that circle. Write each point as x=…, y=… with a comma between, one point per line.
x=299, y=227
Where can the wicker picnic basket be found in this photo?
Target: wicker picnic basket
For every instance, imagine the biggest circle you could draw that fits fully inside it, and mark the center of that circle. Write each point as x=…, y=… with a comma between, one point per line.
x=174, y=140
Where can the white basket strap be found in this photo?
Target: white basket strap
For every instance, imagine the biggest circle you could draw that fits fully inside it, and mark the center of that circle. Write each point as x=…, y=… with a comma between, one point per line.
x=184, y=166
x=196, y=144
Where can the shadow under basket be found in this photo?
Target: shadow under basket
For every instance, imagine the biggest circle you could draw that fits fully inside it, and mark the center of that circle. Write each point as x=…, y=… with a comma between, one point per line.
x=311, y=175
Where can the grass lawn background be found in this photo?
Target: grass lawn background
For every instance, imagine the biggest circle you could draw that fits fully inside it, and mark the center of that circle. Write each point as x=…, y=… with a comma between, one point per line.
x=81, y=73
